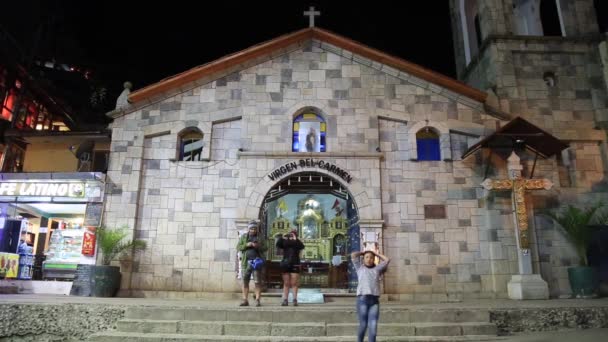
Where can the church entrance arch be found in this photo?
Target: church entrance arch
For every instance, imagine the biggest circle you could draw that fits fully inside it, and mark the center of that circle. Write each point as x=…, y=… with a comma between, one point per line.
x=325, y=216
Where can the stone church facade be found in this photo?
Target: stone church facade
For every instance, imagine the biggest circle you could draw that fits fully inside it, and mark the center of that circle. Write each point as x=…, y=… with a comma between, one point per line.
x=448, y=238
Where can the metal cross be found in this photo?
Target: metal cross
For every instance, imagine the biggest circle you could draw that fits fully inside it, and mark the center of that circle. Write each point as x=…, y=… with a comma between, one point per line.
x=311, y=13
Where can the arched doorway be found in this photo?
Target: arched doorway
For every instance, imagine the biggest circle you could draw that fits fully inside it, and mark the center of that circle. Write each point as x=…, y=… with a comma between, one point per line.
x=326, y=219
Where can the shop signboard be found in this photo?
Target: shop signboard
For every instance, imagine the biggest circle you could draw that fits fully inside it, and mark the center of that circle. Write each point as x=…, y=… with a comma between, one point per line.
x=42, y=189
x=92, y=215
x=9, y=264
x=83, y=281
x=88, y=243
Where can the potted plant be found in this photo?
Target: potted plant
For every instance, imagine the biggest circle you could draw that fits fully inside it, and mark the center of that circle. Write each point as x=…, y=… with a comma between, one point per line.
x=112, y=244
x=578, y=226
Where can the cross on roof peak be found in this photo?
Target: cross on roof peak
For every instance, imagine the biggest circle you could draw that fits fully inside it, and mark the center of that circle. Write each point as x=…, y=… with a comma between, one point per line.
x=311, y=13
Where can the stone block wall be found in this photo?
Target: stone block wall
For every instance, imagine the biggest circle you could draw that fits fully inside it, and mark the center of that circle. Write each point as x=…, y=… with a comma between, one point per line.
x=185, y=213
x=448, y=238
x=467, y=253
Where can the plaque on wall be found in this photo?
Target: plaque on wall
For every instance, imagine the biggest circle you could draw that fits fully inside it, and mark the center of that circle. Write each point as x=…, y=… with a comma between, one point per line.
x=434, y=211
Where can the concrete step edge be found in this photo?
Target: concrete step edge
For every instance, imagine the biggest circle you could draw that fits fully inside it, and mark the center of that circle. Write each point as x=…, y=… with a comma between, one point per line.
x=272, y=306
x=391, y=324
x=257, y=314
x=418, y=324
x=161, y=337
x=160, y=321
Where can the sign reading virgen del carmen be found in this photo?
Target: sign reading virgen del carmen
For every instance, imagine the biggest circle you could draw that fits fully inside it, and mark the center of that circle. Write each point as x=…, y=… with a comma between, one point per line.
x=42, y=189
x=309, y=163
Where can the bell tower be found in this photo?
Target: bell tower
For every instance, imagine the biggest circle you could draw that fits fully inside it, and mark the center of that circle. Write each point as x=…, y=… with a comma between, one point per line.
x=541, y=58
x=546, y=61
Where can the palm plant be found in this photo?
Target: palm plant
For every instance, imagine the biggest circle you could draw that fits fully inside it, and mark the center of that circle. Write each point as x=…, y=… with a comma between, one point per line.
x=577, y=225
x=112, y=245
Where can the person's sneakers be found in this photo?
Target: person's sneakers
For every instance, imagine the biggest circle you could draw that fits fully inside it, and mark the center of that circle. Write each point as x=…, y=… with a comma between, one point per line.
x=295, y=302
x=284, y=303
x=257, y=302
x=244, y=303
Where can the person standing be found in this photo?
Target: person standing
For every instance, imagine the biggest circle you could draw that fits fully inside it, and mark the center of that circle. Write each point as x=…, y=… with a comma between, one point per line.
x=290, y=265
x=252, y=246
x=368, y=291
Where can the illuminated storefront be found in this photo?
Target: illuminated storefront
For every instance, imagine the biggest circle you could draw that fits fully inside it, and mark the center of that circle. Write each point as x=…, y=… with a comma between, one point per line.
x=55, y=215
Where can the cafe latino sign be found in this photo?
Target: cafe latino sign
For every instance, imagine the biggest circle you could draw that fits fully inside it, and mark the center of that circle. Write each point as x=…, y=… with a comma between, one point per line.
x=309, y=163
x=43, y=189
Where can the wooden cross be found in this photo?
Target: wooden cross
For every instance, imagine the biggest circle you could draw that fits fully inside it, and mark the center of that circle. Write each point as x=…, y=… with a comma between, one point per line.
x=518, y=186
x=311, y=13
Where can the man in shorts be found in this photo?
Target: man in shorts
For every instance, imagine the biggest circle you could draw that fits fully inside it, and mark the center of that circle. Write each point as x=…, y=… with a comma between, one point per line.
x=252, y=246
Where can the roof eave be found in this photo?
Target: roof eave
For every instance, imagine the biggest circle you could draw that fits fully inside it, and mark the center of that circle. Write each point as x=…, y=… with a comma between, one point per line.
x=195, y=73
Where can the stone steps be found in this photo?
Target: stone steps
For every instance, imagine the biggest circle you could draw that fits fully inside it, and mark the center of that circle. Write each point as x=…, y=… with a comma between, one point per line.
x=307, y=323
x=306, y=314
x=235, y=328
x=115, y=336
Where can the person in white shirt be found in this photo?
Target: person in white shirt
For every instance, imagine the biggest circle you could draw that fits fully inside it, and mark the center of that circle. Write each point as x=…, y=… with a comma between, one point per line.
x=368, y=291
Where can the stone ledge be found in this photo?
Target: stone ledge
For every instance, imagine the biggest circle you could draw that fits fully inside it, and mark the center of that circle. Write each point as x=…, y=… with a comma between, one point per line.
x=509, y=321
x=299, y=155
x=57, y=322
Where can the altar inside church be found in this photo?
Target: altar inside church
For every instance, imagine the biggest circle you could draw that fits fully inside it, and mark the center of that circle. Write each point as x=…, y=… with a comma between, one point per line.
x=321, y=224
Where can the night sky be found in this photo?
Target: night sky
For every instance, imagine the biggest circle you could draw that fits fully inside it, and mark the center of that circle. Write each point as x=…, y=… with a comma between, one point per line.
x=143, y=43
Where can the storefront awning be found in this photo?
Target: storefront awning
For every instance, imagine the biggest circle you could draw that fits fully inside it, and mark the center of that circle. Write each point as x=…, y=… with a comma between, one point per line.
x=519, y=132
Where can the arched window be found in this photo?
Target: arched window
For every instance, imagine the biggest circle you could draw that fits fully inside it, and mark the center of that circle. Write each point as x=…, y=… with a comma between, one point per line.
x=190, y=144
x=549, y=78
x=471, y=28
x=478, y=30
x=549, y=17
x=427, y=143
x=309, y=133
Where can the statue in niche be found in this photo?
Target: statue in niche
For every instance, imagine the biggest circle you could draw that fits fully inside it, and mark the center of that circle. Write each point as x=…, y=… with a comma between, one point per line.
x=311, y=140
x=339, y=245
x=310, y=217
x=309, y=228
